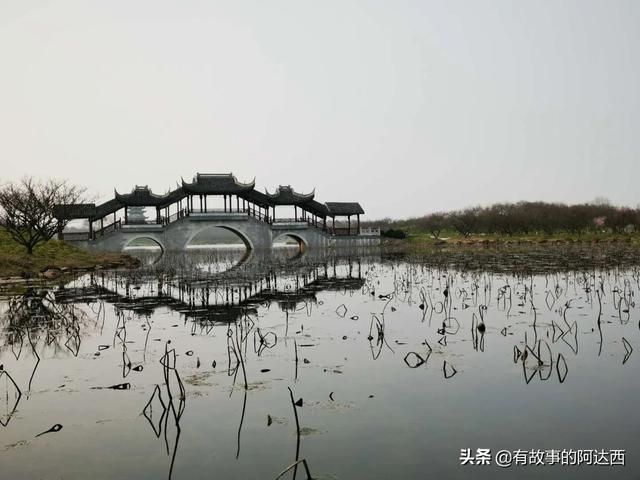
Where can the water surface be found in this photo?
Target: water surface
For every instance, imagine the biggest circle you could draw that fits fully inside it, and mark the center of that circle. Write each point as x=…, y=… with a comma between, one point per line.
x=182, y=369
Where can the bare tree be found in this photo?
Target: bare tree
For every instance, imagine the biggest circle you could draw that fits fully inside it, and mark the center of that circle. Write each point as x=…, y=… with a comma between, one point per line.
x=434, y=223
x=27, y=209
x=466, y=221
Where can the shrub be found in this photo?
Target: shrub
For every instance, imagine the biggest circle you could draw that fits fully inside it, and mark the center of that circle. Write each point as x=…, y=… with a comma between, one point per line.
x=393, y=233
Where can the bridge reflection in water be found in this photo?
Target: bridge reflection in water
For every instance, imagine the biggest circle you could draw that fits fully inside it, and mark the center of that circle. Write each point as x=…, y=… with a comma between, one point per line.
x=46, y=322
x=256, y=280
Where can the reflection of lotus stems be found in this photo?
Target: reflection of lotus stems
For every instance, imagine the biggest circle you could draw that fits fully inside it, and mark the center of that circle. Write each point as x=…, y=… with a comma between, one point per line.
x=244, y=407
x=295, y=412
x=295, y=465
x=9, y=414
x=35, y=352
x=563, y=362
x=628, y=350
x=295, y=346
x=236, y=348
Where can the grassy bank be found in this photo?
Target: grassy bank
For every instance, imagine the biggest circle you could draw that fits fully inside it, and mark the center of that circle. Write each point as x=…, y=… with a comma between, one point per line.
x=425, y=240
x=521, y=254
x=55, y=256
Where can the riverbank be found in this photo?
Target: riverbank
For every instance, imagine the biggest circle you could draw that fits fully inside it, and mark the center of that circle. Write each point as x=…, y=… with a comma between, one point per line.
x=425, y=240
x=520, y=255
x=54, y=258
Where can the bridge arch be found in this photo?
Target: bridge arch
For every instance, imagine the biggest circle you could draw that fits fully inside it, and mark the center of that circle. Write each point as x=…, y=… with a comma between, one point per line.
x=129, y=241
x=238, y=232
x=303, y=244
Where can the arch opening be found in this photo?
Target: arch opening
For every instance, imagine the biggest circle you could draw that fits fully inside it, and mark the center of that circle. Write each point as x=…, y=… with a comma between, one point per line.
x=143, y=243
x=146, y=249
x=218, y=249
x=290, y=241
x=218, y=238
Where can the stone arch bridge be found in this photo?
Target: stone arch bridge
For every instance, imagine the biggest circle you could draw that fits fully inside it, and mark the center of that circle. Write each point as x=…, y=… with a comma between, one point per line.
x=183, y=213
x=176, y=236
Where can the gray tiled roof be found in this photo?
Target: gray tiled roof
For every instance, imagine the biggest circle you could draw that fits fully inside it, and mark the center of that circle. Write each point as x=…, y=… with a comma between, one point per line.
x=316, y=208
x=210, y=184
x=285, y=195
x=74, y=210
x=344, y=208
x=216, y=184
x=140, y=196
x=258, y=198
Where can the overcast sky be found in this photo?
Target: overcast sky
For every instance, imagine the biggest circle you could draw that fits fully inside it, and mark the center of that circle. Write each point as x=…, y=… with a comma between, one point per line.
x=408, y=107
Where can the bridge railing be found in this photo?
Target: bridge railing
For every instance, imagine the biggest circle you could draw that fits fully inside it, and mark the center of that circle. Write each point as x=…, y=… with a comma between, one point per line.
x=252, y=212
x=343, y=231
x=287, y=220
x=215, y=210
x=175, y=216
x=185, y=212
x=258, y=215
x=107, y=228
x=315, y=224
x=155, y=221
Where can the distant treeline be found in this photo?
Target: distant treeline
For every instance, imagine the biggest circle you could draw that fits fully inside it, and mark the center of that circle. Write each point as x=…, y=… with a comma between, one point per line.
x=517, y=219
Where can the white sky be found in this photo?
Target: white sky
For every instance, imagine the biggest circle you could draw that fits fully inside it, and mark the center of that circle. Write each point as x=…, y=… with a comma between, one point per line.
x=406, y=106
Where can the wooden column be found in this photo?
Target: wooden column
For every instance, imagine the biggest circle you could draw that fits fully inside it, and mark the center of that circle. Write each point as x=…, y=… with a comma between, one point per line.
x=237, y=203
x=349, y=224
x=102, y=226
x=358, y=224
x=295, y=214
x=126, y=216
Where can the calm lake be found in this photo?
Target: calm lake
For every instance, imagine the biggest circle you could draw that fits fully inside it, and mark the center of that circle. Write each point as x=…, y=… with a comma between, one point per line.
x=195, y=366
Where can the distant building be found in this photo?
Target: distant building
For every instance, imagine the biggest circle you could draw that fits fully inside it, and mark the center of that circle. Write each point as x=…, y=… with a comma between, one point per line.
x=136, y=215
